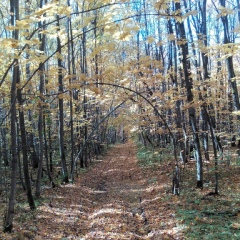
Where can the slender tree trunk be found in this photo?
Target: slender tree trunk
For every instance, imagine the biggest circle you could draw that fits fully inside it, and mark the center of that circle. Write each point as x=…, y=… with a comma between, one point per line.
x=19, y=158
x=172, y=65
x=40, y=135
x=24, y=149
x=147, y=45
x=229, y=62
x=188, y=85
x=24, y=142
x=97, y=143
x=10, y=213
x=46, y=152
x=61, y=115
x=85, y=128
x=84, y=71
x=238, y=8
x=203, y=38
x=71, y=54
x=50, y=149
x=215, y=144
x=4, y=147
x=8, y=225
x=40, y=117
x=234, y=97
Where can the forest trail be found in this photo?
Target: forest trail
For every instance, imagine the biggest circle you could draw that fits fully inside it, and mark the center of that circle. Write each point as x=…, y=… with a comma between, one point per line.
x=114, y=199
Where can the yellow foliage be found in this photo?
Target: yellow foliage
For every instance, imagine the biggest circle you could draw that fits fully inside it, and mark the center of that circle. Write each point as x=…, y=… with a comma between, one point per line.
x=96, y=90
x=125, y=36
x=150, y=39
x=161, y=5
x=224, y=11
x=23, y=24
x=44, y=9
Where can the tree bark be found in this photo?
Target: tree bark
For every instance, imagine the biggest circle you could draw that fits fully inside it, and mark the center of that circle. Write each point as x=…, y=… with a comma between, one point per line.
x=71, y=54
x=229, y=62
x=24, y=148
x=40, y=117
x=189, y=85
x=8, y=225
x=60, y=112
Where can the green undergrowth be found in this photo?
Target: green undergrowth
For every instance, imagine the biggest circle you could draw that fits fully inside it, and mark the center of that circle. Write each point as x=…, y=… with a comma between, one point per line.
x=210, y=219
x=204, y=215
x=151, y=156
x=200, y=214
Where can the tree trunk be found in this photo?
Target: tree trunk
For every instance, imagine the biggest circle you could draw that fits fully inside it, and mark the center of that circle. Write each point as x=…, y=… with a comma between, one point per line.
x=71, y=55
x=188, y=85
x=46, y=152
x=229, y=62
x=40, y=117
x=8, y=225
x=61, y=115
x=24, y=149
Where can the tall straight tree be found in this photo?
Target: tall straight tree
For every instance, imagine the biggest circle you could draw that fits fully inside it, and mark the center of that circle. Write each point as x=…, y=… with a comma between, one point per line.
x=200, y=24
x=71, y=70
x=24, y=147
x=172, y=67
x=189, y=86
x=204, y=56
x=8, y=225
x=40, y=116
x=60, y=109
x=234, y=96
x=229, y=60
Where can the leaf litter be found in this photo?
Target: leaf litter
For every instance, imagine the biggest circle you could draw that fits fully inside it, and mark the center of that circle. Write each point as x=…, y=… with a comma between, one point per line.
x=119, y=198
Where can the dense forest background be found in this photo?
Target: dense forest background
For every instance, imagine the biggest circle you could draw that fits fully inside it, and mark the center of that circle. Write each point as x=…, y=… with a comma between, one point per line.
x=78, y=76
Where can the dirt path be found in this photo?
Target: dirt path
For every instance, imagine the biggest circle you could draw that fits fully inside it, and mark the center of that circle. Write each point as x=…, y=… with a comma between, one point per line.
x=115, y=199
x=117, y=192
x=116, y=187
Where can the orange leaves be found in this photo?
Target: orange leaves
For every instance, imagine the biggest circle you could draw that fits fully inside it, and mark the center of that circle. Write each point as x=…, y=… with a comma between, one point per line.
x=95, y=89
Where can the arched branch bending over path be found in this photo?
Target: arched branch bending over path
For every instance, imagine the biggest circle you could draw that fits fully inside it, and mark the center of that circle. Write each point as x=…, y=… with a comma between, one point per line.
x=143, y=97
x=92, y=133
x=176, y=173
x=148, y=101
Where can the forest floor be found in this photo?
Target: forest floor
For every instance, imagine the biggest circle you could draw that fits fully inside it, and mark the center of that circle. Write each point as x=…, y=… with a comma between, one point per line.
x=116, y=198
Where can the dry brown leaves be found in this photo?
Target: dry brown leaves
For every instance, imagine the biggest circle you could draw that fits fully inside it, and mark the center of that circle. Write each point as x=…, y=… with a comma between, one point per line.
x=115, y=199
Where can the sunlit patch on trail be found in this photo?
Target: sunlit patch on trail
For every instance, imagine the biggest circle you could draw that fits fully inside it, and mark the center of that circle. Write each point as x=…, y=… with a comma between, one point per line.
x=106, y=211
